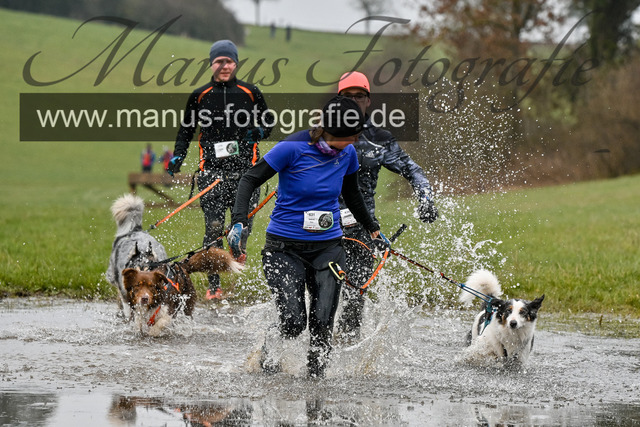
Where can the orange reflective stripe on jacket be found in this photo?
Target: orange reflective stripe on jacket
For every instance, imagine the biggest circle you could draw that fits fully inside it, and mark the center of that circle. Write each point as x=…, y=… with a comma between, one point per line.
x=248, y=92
x=202, y=94
x=201, y=163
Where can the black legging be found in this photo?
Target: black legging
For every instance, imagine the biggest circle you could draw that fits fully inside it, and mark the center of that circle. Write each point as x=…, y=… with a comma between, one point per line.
x=359, y=267
x=215, y=203
x=290, y=267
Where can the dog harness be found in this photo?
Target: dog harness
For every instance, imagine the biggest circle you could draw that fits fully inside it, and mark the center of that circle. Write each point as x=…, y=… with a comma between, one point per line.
x=152, y=319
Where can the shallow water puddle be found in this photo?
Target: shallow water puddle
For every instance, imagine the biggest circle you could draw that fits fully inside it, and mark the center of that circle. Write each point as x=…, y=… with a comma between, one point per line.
x=77, y=363
x=97, y=409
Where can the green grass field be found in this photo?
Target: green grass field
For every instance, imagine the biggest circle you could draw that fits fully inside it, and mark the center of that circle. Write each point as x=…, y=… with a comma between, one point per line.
x=578, y=244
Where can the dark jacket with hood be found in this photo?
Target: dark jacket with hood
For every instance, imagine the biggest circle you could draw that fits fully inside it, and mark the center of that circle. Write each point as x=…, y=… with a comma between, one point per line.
x=377, y=148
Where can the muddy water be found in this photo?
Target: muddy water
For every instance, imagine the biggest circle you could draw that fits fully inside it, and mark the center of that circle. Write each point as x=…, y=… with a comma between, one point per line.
x=78, y=363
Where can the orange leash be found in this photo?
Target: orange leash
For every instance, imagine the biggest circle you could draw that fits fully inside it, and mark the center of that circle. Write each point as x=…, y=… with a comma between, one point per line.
x=253, y=212
x=262, y=203
x=388, y=250
x=204, y=248
x=375, y=273
x=187, y=203
x=361, y=243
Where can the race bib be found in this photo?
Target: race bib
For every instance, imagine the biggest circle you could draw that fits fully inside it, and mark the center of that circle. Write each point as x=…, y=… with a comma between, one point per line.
x=226, y=148
x=317, y=220
x=347, y=217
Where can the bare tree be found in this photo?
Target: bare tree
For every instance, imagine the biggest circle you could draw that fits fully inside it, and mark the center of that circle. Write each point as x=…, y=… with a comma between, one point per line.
x=371, y=8
x=257, y=4
x=489, y=25
x=610, y=28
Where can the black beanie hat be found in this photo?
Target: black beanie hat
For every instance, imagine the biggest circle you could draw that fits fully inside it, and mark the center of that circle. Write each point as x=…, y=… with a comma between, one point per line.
x=223, y=48
x=342, y=116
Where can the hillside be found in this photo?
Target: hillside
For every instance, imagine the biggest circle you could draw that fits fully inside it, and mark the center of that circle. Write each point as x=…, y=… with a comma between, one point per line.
x=576, y=243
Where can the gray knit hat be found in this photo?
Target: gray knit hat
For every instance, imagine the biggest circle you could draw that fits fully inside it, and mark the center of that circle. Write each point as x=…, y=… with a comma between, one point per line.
x=223, y=48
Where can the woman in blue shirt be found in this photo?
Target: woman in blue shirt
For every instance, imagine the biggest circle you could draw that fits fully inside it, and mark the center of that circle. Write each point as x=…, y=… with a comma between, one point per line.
x=304, y=236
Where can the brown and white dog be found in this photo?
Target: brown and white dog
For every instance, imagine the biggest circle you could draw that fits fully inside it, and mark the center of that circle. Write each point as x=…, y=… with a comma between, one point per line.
x=132, y=247
x=157, y=296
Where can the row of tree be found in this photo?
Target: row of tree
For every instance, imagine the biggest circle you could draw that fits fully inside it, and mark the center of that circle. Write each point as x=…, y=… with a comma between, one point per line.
x=580, y=120
x=202, y=19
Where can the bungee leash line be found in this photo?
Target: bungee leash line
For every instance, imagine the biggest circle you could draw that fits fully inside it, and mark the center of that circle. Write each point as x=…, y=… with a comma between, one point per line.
x=385, y=255
x=185, y=204
x=375, y=273
x=202, y=248
x=342, y=276
x=486, y=298
x=478, y=294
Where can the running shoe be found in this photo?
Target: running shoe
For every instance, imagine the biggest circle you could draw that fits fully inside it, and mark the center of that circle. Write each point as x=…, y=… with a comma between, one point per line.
x=214, y=294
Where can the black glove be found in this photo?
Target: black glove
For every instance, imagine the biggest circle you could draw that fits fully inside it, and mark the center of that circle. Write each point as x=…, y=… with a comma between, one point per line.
x=427, y=211
x=174, y=165
x=253, y=135
x=381, y=242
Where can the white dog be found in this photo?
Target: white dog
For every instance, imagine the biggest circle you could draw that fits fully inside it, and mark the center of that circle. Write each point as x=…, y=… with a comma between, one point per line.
x=505, y=332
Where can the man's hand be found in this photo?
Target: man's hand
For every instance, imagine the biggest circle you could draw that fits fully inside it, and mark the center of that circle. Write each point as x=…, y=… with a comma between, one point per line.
x=427, y=211
x=174, y=165
x=253, y=135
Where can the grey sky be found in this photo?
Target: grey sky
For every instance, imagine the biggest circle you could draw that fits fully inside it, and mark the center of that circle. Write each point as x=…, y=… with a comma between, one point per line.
x=328, y=15
x=339, y=15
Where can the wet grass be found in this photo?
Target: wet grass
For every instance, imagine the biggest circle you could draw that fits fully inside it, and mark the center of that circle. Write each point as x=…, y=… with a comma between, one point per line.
x=610, y=326
x=577, y=243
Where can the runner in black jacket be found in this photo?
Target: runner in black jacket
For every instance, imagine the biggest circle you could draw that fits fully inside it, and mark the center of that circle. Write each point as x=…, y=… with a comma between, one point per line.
x=376, y=148
x=232, y=116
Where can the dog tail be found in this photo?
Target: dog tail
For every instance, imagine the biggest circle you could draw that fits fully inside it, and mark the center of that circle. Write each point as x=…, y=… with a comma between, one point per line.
x=127, y=211
x=482, y=281
x=211, y=261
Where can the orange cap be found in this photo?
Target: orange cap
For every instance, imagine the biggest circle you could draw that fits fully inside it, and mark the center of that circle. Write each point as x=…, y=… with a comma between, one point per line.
x=353, y=79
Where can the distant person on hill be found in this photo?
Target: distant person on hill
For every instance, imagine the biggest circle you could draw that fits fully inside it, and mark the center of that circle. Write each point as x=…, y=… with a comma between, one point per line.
x=375, y=148
x=167, y=155
x=288, y=33
x=147, y=159
x=233, y=117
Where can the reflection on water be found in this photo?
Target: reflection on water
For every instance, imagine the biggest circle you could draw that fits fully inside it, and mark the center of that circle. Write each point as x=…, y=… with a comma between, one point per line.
x=24, y=409
x=67, y=363
x=132, y=410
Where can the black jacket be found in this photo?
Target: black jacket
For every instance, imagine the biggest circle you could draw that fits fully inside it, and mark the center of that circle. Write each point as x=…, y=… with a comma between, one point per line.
x=376, y=148
x=225, y=112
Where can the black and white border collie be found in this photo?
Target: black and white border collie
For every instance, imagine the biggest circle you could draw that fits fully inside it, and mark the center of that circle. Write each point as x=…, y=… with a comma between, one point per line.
x=504, y=334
